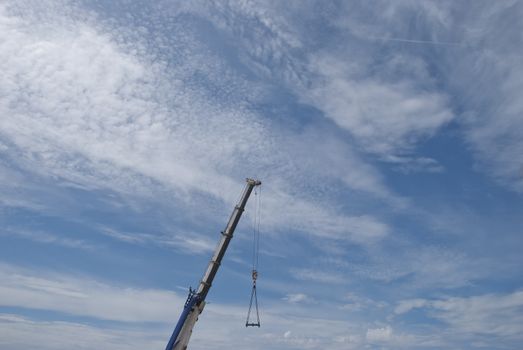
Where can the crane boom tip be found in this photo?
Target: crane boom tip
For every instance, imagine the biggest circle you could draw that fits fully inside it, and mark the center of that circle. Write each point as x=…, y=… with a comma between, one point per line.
x=253, y=182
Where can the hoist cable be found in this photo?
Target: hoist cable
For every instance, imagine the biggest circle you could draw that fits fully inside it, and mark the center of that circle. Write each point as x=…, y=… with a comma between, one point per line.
x=258, y=216
x=254, y=229
x=255, y=260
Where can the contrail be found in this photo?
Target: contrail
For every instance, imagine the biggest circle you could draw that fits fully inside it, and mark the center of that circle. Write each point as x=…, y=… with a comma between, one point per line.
x=427, y=42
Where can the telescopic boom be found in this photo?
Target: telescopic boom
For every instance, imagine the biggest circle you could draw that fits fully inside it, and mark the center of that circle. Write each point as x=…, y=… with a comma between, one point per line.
x=196, y=299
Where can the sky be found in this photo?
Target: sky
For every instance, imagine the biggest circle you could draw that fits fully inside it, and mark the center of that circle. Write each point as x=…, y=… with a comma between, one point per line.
x=388, y=136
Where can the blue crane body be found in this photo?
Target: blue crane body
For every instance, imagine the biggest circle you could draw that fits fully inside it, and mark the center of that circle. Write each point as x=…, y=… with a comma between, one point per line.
x=196, y=299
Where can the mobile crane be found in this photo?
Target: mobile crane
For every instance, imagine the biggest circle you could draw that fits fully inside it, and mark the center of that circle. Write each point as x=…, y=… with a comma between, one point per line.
x=196, y=299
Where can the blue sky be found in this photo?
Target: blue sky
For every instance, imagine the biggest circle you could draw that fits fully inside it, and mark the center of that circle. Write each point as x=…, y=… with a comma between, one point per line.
x=388, y=136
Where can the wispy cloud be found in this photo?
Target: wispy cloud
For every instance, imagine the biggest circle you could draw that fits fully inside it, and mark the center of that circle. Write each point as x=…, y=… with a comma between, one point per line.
x=298, y=298
x=354, y=302
x=342, y=84
x=320, y=276
x=85, y=297
x=492, y=314
x=49, y=238
x=345, y=81
x=377, y=335
x=422, y=268
x=19, y=332
x=186, y=242
x=139, y=129
x=144, y=124
x=495, y=316
x=409, y=165
x=133, y=308
x=403, y=115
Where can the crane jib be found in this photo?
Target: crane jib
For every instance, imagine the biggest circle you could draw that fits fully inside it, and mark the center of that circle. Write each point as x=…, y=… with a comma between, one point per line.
x=196, y=300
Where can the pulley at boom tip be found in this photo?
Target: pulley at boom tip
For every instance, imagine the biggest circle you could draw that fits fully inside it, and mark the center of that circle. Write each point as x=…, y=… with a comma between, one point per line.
x=253, y=182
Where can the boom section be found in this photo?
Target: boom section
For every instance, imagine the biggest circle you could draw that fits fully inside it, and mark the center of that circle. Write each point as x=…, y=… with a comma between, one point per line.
x=216, y=260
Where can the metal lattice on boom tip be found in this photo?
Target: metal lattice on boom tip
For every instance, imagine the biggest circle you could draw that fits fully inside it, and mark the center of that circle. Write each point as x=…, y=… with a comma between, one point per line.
x=196, y=299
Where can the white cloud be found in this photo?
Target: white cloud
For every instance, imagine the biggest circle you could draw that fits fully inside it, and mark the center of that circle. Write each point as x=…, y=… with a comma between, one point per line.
x=222, y=331
x=320, y=276
x=133, y=308
x=85, y=297
x=483, y=72
x=387, y=337
x=477, y=56
x=91, y=121
x=49, y=238
x=221, y=325
x=143, y=126
x=387, y=107
x=89, y=103
x=493, y=315
x=264, y=33
x=379, y=334
x=414, y=164
x=297, y=298
x=355, y=302
x=384, y=117
x=422, y=268
x=184, y=242
x=271, y=48
x=493, y=122
x=17, y=333
x=496, y=315
x=191, y=242
x=407, y=305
